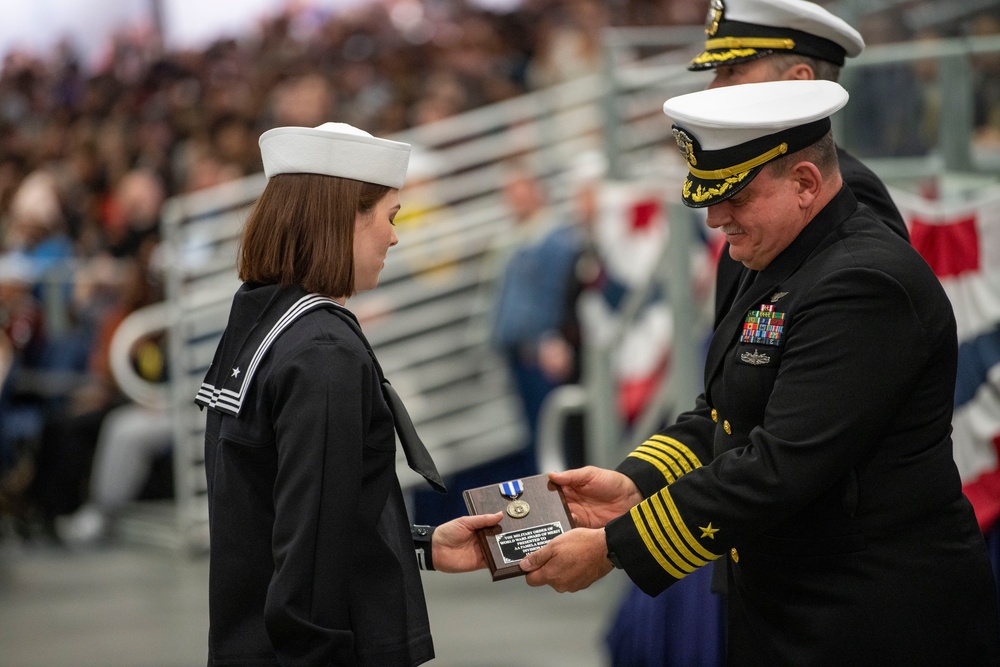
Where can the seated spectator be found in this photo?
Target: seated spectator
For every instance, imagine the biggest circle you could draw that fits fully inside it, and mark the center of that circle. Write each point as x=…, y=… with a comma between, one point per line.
x=69, y=438
x=34, y=225
x=571, y=44
x=133, y=214
x=132, y=441
x=21, y=347
x=885, y=99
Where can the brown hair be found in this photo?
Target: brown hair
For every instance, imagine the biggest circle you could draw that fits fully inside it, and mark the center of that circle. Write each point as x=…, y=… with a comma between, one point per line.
x=301, y=232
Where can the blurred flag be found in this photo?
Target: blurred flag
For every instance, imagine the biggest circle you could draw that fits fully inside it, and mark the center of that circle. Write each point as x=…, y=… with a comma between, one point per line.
x=961, y=243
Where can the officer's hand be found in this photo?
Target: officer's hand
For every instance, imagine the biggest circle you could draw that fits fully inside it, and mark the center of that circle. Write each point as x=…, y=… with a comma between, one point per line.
x=595, y=495
x=570, y=562
x=455, y=546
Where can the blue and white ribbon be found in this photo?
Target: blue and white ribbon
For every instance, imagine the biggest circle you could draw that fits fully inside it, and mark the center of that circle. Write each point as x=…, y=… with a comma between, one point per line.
x=512, y=489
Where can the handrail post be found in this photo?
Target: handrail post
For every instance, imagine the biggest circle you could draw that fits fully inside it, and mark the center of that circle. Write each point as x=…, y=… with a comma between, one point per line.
x=562, y=402
x=955, y=129
x=685, y=366
x=602, y=426
x=609, y=105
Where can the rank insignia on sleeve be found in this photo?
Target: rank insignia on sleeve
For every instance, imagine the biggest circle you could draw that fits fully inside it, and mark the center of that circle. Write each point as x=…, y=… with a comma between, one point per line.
x=763, y=326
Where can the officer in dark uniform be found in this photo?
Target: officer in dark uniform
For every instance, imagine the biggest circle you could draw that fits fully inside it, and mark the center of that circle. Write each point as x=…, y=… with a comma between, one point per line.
x=750, y=41
x=819, y=462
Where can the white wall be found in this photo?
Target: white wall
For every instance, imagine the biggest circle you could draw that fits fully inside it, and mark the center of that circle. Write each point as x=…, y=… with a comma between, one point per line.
x=197, y=22
x=38, y=25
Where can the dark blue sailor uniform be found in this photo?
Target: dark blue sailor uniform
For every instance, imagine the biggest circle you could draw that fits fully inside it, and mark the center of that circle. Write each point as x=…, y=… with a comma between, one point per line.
x=818, y=463
x=312, y=556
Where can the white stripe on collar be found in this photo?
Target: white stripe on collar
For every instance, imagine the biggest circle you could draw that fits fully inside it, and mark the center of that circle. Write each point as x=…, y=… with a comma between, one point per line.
x=229, y=401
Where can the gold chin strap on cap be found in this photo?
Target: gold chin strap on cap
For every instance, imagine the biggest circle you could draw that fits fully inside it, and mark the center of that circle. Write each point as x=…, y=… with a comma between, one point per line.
x=717, y=174
x=749, y=43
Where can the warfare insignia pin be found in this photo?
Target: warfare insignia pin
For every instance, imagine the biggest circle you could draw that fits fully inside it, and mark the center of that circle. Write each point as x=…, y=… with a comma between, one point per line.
x=755, y=358
x=715, y=10
x=778, y=295
x=686, y=145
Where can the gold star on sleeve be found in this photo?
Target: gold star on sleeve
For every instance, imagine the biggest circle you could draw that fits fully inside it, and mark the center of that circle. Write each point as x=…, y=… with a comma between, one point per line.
x=667, y=537
x=708, y=531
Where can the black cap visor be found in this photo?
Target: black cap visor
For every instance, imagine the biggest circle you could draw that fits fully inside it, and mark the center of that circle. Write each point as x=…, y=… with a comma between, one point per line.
x=716, y=175
x=736, y=42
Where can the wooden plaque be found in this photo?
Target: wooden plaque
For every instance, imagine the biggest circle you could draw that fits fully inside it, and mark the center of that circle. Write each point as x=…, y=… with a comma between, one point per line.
x=519, y=532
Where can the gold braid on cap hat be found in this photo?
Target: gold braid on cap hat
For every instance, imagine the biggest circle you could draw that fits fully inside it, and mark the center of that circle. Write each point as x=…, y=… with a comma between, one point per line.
x=702, y=194
x=782, y=44
x=716, y=174
x=708, y=57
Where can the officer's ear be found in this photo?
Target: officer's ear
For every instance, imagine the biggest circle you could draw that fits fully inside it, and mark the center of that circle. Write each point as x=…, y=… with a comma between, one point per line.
x=799, y=72
x=808, y=181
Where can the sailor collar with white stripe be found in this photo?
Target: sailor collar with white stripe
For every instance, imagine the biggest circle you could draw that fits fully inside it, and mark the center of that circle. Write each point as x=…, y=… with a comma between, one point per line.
x=225, y=388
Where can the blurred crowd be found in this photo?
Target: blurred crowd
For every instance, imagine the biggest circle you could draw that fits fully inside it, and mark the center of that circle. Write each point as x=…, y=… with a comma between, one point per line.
x=89, y=156
x=897, y=109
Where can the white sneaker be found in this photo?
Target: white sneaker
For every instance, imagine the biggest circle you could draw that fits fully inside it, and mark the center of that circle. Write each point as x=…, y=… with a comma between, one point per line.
x=88, y=525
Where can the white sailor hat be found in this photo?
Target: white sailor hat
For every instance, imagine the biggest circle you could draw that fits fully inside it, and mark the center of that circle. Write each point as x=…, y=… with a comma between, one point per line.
x=738, y=31
x=728, y=134
x=334, y=149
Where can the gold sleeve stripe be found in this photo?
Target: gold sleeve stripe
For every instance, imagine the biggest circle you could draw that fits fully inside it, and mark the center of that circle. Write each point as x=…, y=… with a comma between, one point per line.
x=674, y=538
x=657, y=462
x=682, y=527
x=654, y=444
x=667, y=544
x=666, y=455
x=719, y=174
x=680, y=448
x=651, y=545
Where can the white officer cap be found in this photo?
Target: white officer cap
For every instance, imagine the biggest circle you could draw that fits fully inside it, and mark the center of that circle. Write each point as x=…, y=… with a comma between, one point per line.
x=334, y=149
x=738, y=31
x=728, y=134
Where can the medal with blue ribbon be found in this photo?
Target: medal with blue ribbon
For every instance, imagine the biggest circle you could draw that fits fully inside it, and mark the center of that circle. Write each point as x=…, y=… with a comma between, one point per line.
x=512, y=490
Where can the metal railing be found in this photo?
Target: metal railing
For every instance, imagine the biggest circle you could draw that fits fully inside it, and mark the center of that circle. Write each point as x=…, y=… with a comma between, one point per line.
x=428, y=320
